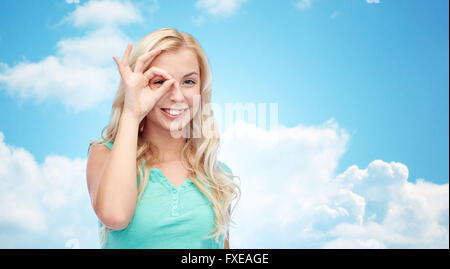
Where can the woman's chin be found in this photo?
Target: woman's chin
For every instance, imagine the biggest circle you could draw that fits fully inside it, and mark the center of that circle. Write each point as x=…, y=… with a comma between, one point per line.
x=174, y=127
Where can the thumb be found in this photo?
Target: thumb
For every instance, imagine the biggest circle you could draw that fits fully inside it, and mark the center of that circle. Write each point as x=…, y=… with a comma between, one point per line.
x=164, y=88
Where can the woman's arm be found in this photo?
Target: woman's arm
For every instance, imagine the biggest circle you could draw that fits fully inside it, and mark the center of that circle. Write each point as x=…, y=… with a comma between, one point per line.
x=111, y=176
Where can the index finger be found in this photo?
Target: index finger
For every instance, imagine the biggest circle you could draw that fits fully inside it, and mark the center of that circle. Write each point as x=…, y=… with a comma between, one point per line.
x=145, y=59
x=126, y=55
x=153, y=71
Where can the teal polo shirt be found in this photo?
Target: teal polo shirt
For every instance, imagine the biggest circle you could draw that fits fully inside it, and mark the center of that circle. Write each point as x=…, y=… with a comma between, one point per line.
x=167, y=217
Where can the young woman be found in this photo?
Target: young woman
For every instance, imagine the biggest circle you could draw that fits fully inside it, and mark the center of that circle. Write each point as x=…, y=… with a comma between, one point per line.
x=153, y=183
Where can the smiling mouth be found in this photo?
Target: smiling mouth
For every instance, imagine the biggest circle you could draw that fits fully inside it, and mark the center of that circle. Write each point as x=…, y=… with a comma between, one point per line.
x=173, y=113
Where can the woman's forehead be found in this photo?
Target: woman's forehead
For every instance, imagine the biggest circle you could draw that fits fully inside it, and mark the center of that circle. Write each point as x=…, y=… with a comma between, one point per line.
x=179, y=62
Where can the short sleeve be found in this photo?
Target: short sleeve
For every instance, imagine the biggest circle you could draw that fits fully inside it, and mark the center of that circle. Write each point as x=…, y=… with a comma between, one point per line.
x=226, y=168
x=108, y=144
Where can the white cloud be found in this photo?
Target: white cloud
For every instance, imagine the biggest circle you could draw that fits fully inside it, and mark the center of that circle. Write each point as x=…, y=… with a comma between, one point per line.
x=72, y=1
x=44, y=201
x=82, y=72
x=373, y=1
x=303, y=4
x=79, y=76
x=222, y=8
x=292, y=197
x=106, y=12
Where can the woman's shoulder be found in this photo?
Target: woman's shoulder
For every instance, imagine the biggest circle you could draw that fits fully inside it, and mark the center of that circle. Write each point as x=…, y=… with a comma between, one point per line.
x=108, y=144
x=224, y=166
x=228, y=170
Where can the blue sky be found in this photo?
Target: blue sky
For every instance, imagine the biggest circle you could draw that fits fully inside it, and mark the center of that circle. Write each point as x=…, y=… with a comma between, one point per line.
x=379, y=70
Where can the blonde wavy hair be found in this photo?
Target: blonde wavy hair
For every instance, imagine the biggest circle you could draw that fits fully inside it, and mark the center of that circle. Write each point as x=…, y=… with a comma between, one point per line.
x=199, y=154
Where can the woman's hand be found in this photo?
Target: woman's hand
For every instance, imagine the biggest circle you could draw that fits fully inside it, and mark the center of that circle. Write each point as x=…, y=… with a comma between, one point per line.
x=139, y=97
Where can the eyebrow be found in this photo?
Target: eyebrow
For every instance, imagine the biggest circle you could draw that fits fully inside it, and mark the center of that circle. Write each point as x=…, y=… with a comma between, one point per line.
x=191, y=74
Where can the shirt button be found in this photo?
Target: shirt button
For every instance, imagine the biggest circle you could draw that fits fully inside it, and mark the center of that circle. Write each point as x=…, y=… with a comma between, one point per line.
x=175, y=207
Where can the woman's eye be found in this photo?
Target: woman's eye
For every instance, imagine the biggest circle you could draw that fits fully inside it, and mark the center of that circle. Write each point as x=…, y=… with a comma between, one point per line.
x=189, y=81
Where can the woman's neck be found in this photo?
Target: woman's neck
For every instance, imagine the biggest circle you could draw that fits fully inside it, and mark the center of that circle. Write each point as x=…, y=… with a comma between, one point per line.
x=169, y=147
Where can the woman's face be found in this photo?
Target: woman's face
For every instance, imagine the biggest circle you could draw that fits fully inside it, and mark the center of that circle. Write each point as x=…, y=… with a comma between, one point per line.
x=183, y=66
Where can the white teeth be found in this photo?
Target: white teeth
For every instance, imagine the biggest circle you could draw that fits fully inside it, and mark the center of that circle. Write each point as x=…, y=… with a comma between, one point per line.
x=174, y=112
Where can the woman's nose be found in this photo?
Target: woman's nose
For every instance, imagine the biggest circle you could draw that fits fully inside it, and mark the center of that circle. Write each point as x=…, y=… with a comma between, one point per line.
x=175, y=92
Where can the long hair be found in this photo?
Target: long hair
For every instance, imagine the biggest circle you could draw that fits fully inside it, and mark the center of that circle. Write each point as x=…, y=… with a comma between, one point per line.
x=199, y=153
